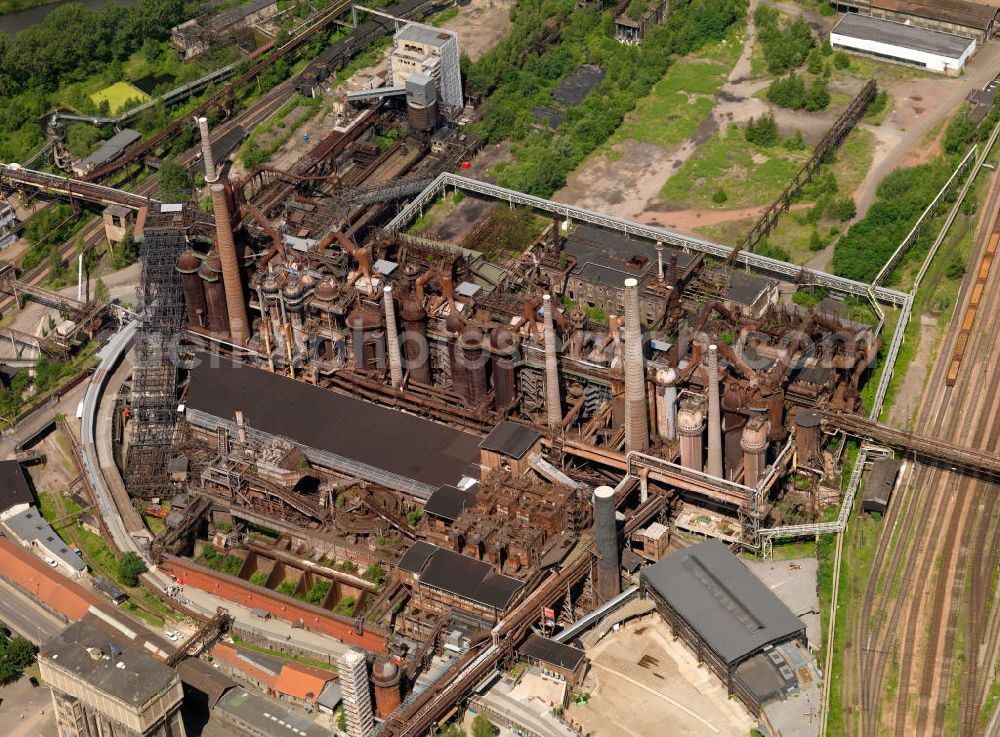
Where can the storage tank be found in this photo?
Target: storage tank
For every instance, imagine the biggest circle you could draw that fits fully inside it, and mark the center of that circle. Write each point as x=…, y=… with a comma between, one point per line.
x=754, y=444
x=188, y=264
x=421, y=102
x=504, y=379
x=470, y=344
x=691, y=428
x=367, y=338
x=215, y=294
x=606, y=535
x=416, y=352
x=385, y=680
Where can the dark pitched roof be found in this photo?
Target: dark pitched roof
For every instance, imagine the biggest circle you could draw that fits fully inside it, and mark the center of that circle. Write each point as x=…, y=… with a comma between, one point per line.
x=449, y=501
x=460, y=575
x=746, y=288
x=729, y=607
x=606, y=257
x=416, y=556
x=377, y=439
x=552, y=652
x=200, y=676
x=510, y=439
x=960, y=12
x=881, y=478
x=14, y=488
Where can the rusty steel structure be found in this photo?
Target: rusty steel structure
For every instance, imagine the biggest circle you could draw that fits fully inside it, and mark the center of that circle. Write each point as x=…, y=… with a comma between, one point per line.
x=154, y=376
x=833, y=138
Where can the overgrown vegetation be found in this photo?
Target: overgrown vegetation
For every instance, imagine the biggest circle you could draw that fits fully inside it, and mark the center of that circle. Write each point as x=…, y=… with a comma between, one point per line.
x=787, y=46
x=259, y=578
x=16, y=654
x=318, y=591
x=521, y=81
x=130, y=567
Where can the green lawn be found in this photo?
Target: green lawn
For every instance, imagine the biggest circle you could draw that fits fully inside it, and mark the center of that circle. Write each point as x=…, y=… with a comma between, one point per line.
x=749, y=175
x=680, y=101
x=118, y=95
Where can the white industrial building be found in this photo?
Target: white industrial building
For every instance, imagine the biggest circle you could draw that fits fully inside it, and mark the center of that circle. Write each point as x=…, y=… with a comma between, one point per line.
x=899, y=43
x=420, y=49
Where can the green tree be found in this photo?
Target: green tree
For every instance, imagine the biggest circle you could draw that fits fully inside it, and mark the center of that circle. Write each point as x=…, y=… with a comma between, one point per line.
x=482, y=726
x=818, y=96
x=125, y=253
x=341, y=720
x=719, y=197
x=130, y=566
x=816, y=242
x=174, y=177
x=20, y=652
x=841, y=60
x=762, y=131
x=843, y=209
x=959, y=133
x=101, y=292
x=55, y=261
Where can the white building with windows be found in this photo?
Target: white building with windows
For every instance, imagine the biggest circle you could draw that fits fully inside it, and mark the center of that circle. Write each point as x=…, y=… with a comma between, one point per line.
x=900, y=43
x=420, y=49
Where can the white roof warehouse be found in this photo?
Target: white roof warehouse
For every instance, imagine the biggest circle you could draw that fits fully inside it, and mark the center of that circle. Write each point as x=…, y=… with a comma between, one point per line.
x=899, y=43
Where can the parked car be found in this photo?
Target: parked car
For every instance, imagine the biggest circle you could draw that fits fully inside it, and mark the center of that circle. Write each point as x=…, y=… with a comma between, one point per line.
x=51, y=563
x=171, y=635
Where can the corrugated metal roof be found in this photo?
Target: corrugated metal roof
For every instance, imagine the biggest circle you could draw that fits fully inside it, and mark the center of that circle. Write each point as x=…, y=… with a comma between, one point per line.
x=510, y=439
x=902, y=35
x=14, y=487
x=552, y=652
x=729, y=607
x=960, y=12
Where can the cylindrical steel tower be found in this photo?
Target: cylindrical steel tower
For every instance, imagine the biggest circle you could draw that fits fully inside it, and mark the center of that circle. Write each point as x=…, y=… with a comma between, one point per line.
x=366, y=336
x=606, y=535
x=636, y=429
x=385, y=679
x=194, y=291
x=691, y=428
x=666, y=403
x=754, y=445
x=553, y=400
x=215, y=294
x=416, y=352
x=470, y=344
x=714, y=466
x=504, y=350
x=235, y=304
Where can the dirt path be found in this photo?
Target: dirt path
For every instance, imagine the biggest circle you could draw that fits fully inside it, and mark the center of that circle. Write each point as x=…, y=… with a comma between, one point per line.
x=912, y=387
x=691, y=219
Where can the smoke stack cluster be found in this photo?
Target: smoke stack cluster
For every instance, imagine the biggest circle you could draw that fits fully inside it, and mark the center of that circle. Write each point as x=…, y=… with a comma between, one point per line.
x=206, y=151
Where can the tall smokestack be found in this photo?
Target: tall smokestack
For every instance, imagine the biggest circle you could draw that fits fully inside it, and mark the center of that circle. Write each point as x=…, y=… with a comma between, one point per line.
x=659, y=260
x=636, y=429
x=238, y=323
x=206, y=151
x=392, y=337
x=606, y=533
x=714, y=467
x=553, y=400
x=754, y=445
x=666, y=403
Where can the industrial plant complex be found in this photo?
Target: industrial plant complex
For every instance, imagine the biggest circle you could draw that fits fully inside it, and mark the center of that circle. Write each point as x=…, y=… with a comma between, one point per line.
x=370, y=443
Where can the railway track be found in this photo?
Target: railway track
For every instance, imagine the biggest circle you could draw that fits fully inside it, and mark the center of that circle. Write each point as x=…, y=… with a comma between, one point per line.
x=933, y=566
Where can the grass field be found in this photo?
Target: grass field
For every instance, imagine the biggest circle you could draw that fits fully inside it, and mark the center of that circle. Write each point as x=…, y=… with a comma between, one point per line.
x=680, y=101
x=748, y=174
x=117, y=95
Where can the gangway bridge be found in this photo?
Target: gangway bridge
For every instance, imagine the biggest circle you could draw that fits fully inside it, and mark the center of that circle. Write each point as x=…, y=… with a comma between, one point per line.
x=15, y=176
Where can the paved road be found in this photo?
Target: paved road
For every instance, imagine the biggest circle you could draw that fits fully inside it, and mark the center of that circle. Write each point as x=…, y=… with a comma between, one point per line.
x=26, y=617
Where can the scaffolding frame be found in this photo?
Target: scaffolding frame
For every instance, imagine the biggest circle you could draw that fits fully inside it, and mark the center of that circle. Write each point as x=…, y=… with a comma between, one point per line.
x=154, y=376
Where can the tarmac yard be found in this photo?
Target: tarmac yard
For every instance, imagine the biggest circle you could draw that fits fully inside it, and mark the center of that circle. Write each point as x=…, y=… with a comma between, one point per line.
x=640, y=680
